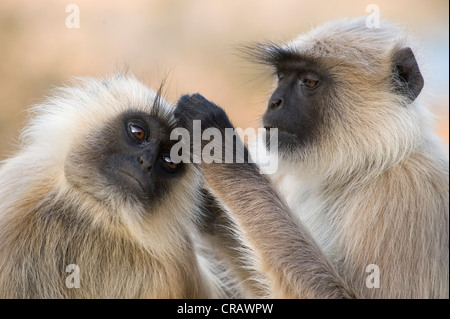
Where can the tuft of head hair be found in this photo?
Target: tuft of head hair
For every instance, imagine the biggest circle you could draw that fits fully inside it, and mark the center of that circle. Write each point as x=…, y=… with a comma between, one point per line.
x=344, y=41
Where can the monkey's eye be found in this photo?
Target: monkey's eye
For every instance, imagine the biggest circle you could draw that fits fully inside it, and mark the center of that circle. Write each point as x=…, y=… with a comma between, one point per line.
x=137, y=131
x=168, y=162
x=280, y=75
x=310, y=83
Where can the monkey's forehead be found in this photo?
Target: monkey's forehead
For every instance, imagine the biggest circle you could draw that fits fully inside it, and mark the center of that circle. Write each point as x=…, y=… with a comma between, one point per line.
x=86, y=103
x=117, y=94
x=101, y=99
x=348, y=39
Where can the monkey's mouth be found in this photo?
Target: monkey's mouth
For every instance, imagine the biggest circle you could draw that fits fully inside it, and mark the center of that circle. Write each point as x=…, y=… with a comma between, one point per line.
x=285, y=140
x=281, y=131
x=130, y=177
x=127, y=179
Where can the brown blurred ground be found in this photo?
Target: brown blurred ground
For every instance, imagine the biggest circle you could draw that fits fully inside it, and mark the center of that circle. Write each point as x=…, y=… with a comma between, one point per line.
x=192, y=43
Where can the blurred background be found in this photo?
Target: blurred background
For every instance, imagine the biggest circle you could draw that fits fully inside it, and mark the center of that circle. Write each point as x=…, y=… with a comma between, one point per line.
x=193, y=44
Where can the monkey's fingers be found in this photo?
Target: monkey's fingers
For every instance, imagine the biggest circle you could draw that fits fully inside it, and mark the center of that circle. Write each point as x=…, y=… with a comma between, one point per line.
x=196, y=107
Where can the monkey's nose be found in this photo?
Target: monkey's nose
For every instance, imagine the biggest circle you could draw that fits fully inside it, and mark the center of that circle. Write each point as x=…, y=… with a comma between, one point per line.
x=275, y=103
x=146, y=160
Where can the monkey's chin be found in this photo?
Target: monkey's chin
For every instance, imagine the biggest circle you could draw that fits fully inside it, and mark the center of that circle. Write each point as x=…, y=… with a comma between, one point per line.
x=286, y=142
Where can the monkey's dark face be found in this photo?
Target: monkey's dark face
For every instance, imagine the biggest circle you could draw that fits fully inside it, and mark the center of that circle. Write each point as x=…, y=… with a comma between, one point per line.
x=295, y=107
x=128, y=157
x=139, y=160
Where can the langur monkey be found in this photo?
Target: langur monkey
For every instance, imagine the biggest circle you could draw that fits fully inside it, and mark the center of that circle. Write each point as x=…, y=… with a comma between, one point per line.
x=364, y=178
x=93, y=190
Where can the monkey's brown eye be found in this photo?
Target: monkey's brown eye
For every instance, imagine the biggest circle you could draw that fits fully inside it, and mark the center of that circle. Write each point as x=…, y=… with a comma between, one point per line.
x=310, y=83
x=168, y=162
x=137, y=132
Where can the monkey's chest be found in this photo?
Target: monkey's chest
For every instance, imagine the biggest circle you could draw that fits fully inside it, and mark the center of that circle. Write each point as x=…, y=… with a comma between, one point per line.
x=310, y=207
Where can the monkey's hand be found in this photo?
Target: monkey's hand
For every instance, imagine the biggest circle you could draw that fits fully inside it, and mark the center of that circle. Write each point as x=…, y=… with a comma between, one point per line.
x=196, y=107
x=227, y=146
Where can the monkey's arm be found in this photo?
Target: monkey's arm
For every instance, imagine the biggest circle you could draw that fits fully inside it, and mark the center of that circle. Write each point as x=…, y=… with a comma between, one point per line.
x=227, y=243
x=286, y=252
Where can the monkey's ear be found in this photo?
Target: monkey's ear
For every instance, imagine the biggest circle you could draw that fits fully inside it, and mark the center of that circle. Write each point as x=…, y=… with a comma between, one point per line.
x=409, y=80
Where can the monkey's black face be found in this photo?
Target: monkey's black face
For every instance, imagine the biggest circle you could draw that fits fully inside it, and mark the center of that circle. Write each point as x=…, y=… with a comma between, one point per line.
x=295, y=107
x=132, y=159
x=137, y=156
